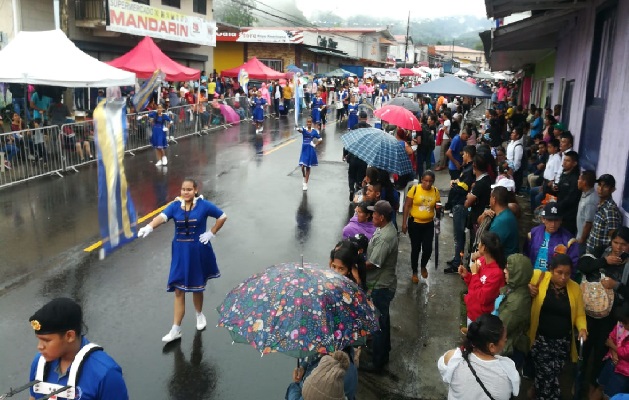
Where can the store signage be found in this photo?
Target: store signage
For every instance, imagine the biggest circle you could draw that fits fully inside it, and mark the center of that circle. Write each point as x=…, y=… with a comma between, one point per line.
x=386, y=74
x=261, y=36
x=126, y=16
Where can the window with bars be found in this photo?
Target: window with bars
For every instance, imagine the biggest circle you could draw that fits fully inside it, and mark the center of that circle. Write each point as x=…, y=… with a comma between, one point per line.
x=172, y=3
x=275, y=64
x=199, y=6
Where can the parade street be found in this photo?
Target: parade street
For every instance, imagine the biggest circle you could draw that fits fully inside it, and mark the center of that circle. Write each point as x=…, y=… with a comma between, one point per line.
x=48, y=223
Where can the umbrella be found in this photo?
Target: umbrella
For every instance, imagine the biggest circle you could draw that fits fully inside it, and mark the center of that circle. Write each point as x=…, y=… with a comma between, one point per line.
x=405, y=102
x=339, y=73
x=299, y=310
x=406, y=72
x=231, y=116
x=398, y=116
x=294, y=69
x=578, y=379
x=379, y=149
x=500, y=77
x=449, y=86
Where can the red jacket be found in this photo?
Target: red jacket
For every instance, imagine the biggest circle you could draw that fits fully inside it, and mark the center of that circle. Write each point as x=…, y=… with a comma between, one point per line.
x=483, y=288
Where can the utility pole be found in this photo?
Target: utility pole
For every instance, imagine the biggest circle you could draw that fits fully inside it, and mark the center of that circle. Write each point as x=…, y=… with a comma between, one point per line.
x=408, y=25
x=452, y=54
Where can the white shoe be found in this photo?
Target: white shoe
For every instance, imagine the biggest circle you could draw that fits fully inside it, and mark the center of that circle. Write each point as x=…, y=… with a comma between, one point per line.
x=159, y=163
x=164, y=161
x=451, y=215
x=201, y=322
x=172, y=336
x=305, y=187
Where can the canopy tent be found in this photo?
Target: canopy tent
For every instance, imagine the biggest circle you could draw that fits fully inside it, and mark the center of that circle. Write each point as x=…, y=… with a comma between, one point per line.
x=500, y=76
x=146, y=57
x=450, y=86
x=419, y=72
x=256, y=70
x=50, y=58
x=461, y=73
x=483, y=75
x=406, y=72
x=339, y=73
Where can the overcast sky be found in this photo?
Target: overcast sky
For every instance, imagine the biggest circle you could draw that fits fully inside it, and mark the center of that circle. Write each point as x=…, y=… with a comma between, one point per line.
x=396, y=8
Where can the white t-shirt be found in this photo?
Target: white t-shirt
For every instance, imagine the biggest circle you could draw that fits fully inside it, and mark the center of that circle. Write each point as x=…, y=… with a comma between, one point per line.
x=446, y=129
x=499, y=376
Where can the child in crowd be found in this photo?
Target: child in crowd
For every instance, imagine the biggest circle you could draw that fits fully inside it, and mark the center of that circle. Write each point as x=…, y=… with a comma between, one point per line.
x=614, y=377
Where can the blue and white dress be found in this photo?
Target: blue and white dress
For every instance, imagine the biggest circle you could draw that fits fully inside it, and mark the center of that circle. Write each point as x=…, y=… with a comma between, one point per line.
x=158, y=137
x=308, y=157
x=352, y=110
x=317, y=103
x=258, y=109
x=193, y=262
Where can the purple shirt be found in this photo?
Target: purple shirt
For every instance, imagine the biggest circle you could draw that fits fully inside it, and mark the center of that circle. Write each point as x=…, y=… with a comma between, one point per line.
x=354, y=227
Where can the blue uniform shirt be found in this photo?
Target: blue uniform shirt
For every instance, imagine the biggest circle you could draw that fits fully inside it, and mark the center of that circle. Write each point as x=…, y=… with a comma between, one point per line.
x=99, y=379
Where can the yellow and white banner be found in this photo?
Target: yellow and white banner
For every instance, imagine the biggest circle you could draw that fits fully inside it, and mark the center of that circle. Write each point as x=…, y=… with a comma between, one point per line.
x=133, y=18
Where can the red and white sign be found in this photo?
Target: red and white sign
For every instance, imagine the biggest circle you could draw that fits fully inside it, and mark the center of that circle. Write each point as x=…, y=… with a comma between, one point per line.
x=261, y=36
x=138, y=19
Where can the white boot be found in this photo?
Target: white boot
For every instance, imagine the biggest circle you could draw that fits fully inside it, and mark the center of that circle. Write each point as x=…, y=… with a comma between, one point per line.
x=164, y=161
x=159, y=163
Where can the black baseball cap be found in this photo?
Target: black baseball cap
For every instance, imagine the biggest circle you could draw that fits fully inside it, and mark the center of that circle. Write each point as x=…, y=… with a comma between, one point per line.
x=607, y=180
x=551, y=211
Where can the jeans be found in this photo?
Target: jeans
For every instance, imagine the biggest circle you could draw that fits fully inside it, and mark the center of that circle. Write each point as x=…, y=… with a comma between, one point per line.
x=381, y=345
x=460, y=218
x=11, y=150
x=421, y=236
x=537, y=194
x=276, y=106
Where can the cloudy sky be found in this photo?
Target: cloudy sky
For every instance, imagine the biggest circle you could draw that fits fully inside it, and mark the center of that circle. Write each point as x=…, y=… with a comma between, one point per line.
x=396, y=8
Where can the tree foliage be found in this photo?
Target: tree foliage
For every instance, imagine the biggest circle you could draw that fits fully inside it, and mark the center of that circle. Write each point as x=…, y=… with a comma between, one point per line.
x=235, y=13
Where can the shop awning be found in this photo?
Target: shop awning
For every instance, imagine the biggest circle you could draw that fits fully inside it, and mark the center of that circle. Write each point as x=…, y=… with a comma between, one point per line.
x=504, y=8
x=510, y=47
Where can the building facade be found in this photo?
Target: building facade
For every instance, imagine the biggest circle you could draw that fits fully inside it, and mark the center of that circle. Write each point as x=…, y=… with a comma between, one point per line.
x=582, y=45
x=180, y=27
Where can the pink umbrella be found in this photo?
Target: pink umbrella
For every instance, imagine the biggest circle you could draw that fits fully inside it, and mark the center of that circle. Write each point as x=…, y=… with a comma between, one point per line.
x=398, y=116
x=471, y=80
x=231, y=117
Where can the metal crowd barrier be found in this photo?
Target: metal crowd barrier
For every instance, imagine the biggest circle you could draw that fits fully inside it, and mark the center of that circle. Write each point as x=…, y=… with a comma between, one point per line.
x=29, y=154
x=49, y=150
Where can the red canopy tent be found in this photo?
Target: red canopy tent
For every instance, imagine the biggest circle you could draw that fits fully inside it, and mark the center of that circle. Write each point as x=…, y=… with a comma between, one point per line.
x=146, y=57
x=256, y=71
x=406, y=72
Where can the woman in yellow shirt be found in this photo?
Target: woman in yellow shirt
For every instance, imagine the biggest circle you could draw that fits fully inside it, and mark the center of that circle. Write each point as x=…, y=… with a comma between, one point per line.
x=419, y=211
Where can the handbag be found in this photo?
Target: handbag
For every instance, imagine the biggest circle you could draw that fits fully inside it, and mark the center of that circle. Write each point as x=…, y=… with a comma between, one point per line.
x=597, y=300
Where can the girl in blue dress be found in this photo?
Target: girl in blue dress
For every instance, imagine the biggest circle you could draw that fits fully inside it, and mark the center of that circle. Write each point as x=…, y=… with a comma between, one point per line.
x=258, y=104
x=317, y=108
x=352, y=110
x=159, y=138
x=193, y=260
x=308, y=157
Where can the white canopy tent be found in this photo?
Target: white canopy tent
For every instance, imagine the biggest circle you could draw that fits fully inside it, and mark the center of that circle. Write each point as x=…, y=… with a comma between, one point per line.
x=461, y=73
x=56, y=62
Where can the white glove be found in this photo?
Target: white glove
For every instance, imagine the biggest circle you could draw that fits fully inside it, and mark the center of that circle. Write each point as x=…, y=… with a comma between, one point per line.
x=313, y=144
x=206, y=237
x=139, y=117
x=144, y=232
x=165, y=129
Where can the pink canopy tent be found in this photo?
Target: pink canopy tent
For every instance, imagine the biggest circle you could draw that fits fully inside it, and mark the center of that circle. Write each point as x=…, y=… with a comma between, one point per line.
x=256, y=71
x=146, y=57
x=406, y=72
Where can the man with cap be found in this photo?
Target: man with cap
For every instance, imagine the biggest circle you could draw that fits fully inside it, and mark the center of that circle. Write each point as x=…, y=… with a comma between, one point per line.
x=607, y=218
x=67, y=358
x=381, y=263
x=550, y=238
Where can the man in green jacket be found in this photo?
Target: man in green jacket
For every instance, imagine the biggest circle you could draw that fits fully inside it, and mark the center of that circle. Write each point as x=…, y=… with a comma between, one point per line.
x=514, y=307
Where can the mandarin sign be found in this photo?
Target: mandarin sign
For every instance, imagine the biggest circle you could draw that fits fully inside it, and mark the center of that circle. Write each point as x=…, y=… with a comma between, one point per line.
x=138, y=19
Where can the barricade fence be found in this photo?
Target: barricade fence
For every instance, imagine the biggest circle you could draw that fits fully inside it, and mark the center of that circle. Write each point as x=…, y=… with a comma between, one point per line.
x=42, y=151
x=29, y=154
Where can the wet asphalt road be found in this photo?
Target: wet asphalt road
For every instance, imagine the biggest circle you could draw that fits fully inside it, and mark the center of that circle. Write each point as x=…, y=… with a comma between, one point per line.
x=46, y=223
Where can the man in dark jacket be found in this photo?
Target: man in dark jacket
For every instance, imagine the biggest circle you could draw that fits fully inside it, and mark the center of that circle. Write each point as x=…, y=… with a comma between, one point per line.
x=357, y=167
x=568, y=193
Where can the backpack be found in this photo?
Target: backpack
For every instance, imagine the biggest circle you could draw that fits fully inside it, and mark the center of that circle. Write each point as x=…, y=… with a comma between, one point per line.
x=597, y=300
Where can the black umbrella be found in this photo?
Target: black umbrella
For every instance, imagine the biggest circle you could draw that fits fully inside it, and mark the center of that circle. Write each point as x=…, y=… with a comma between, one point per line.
x=449, y=86
x=405, y=102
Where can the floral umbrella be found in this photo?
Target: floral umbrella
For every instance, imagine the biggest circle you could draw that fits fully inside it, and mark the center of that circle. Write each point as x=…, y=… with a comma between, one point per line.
x=298, y=309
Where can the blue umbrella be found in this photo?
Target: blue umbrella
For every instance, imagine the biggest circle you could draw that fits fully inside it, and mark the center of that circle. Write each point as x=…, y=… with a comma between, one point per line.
x=294, y=69
x=379, y=149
